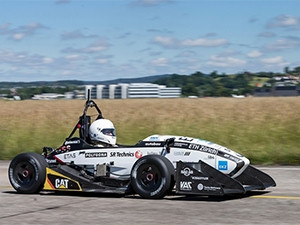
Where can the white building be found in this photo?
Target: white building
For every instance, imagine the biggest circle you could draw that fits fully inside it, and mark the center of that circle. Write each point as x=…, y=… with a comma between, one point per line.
x=143, y=90
x=169, y=92
x=133, y=90
x=48, y=96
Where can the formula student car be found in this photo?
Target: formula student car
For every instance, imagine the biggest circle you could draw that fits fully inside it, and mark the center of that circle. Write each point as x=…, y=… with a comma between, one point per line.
x=151, y=168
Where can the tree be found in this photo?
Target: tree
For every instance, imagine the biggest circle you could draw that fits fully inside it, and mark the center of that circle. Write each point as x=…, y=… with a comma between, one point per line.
x=190, y=90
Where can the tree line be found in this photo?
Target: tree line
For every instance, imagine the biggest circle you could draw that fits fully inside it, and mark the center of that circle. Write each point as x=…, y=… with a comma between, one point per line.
x=29, y=92
x=216, y=85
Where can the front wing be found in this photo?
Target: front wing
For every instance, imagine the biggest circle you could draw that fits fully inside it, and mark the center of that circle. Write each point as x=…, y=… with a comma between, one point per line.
x=202, y=179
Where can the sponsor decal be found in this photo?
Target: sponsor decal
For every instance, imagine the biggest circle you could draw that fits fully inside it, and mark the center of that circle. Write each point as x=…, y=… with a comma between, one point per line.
x=185, y=185
x=95, y=154
x=181, y=153
x=33, y=163
x=203, y=148
x=57, y=181
x=195, y=146
x=232, y=158
x=50, y=160
x=163, y=183
x=222, y=165
x=180, y=144
x=210, y=157
x=186, y=139
x=138, y=154
x=121, y=154
x=61, y=183
x=153, y=144
x=199, y=178
x=12, y=180
x=186, y=172
x=70, y=155
x=201, y=187
x=72, y=142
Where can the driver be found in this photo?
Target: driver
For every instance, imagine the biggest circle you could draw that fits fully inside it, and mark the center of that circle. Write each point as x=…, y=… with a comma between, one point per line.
x=103, y=133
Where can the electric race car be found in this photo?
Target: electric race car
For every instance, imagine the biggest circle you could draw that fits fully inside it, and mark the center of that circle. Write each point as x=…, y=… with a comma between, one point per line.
x=151, y=168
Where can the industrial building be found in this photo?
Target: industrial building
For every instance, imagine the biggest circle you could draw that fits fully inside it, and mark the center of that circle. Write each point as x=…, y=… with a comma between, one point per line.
x=132, y=90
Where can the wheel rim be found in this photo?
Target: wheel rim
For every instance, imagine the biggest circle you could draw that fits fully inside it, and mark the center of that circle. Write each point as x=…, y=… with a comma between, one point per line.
x=149, y=177
x=24, y=174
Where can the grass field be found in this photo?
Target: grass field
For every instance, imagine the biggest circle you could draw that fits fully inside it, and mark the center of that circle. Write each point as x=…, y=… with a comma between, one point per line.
x=266, y=130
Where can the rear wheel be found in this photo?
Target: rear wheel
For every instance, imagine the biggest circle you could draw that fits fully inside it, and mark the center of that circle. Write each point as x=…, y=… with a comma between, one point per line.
x=152, y=176
x=27, y=172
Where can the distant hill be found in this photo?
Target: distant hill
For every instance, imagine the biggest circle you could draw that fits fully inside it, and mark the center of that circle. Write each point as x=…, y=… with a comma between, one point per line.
x=147, y=79
x=4, y=85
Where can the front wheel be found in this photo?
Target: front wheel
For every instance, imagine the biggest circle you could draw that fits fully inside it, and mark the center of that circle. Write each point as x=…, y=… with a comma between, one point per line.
x=152, y=176
x=27, y=173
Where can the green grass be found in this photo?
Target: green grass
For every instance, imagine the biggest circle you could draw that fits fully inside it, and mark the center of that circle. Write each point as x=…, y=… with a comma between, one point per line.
x=266, y=130
x=260, y=80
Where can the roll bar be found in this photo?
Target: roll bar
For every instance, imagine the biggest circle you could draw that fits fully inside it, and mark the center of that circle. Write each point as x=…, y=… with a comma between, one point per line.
x=85, y=120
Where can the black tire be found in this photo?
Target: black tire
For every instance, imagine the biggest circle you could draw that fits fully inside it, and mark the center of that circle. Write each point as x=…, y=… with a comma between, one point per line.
x=27, y=173
x=152, y=176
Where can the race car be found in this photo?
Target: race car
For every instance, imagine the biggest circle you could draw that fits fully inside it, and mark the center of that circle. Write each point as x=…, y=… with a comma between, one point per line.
x=152, y=168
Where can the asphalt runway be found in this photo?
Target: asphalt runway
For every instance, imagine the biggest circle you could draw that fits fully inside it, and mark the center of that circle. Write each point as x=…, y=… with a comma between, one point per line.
x=277, y=205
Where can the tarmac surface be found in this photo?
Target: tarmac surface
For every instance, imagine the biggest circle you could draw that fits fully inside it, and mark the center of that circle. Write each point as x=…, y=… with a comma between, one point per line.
x=276, y=205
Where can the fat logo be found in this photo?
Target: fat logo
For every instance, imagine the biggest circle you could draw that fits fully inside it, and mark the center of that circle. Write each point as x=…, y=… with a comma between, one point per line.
x=186, y=185
x=61, y=183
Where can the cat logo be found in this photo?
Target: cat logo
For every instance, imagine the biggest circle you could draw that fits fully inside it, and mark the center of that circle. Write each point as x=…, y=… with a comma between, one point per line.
x=57, y=181
x=61, y=183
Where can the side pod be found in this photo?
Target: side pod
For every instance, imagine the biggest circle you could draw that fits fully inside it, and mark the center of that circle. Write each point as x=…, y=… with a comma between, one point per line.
x=202, y=179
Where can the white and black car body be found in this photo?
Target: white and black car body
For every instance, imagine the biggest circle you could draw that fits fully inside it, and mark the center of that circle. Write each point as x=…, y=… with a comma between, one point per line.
x=150, y=168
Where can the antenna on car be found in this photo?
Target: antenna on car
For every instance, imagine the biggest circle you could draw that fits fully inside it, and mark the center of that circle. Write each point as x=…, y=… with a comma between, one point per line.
x=88, y=95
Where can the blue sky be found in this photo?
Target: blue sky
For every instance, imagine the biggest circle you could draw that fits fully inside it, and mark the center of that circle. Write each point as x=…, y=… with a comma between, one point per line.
x=107, y=39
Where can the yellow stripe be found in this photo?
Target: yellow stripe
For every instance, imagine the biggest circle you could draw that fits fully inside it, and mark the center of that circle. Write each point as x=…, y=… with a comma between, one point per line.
x=6, y=187
x=276, y=197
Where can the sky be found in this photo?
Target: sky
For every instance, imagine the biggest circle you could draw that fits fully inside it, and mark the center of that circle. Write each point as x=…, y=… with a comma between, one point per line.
x=97, y=40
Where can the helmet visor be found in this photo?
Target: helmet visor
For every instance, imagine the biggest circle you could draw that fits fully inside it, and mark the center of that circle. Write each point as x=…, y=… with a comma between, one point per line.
x=109, y=132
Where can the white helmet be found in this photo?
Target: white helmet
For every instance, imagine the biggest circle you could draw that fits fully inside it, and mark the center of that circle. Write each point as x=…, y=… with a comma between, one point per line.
x=103, y=130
